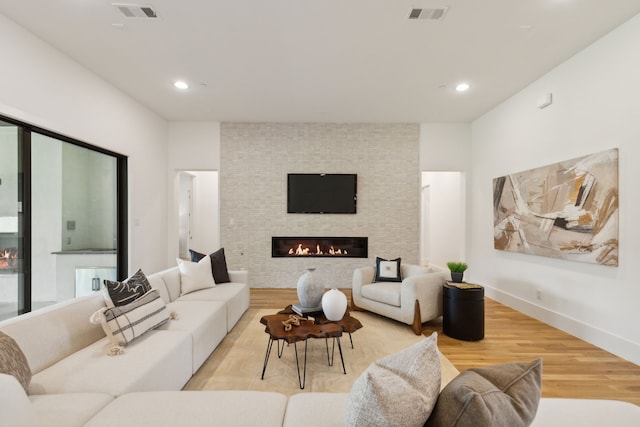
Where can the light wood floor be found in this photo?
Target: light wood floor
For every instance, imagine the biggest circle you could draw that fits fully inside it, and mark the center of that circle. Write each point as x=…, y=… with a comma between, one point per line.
x=571, y=366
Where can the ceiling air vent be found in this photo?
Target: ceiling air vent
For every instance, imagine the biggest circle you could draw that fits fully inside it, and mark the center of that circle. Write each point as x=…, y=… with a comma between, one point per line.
x=136, y=10
x=428, y=14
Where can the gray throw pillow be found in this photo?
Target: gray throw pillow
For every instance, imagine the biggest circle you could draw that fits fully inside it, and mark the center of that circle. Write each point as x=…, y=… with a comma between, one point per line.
x=498, y=395
x=397, y=390
x=13, y=361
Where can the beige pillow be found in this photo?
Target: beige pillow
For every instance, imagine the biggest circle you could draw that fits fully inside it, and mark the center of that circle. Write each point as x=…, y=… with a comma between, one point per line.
x=13, y=361
x=195, y=275
x=398, y=390
x=499, y=395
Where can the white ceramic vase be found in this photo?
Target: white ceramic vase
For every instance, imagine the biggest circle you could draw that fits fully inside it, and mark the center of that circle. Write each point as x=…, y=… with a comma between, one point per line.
x=310, y=289
x=334, y=304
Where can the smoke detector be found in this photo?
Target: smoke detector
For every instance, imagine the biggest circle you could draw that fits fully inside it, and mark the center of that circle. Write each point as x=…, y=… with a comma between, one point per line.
x=429, y=14
x=136, y=10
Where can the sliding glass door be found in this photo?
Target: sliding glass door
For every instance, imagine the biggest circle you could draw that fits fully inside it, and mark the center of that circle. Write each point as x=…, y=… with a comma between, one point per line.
x=63, y=227
x=73, y=219
x=13, y=300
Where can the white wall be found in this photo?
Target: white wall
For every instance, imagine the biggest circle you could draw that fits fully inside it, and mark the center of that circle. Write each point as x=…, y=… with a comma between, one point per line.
x=193, y=146
x=444, y=217
x=205, y=236
x=445, y=146
x=256, y=158
x=40, y=85
x=596, y=106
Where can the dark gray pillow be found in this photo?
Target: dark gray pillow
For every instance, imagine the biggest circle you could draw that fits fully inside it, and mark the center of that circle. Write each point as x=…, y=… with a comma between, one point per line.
x=218, y=264
x=498, y=395
x=123, y=293
x=13, y=361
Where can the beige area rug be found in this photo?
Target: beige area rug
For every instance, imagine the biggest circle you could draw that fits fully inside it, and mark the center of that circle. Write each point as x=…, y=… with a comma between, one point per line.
x=237, y=362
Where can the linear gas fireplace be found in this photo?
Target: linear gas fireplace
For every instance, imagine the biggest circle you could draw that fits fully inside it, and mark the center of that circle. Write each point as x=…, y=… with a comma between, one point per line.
x=344, y=247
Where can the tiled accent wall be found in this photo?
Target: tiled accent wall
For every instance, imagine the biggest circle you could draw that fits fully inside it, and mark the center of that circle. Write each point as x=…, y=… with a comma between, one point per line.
x=255, y=161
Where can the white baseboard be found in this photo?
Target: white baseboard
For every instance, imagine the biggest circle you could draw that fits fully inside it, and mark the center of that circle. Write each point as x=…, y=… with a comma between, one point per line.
x=619, y=346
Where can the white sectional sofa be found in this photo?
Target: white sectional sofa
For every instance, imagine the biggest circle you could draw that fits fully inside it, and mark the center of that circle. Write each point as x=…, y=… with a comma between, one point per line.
x=246, y=408
x=76, y=384
x=68, y=354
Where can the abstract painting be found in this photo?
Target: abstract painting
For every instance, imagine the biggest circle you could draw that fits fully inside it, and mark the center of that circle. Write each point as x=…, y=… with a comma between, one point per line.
x=566, y=210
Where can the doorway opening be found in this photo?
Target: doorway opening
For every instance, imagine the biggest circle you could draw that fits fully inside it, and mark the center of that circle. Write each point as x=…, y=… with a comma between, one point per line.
x=198, y=212
x=443, y=219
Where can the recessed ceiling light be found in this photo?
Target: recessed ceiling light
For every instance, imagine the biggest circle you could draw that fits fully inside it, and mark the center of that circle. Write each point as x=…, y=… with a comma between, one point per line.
x=462, y=87
x=181, y=85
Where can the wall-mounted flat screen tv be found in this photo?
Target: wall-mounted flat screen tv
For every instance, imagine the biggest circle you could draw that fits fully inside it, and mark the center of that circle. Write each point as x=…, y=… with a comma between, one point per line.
x=322, y=193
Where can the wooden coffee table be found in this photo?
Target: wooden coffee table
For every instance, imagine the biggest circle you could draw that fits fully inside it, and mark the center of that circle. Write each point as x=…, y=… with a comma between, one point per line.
x=347, y=323
x=307, y=329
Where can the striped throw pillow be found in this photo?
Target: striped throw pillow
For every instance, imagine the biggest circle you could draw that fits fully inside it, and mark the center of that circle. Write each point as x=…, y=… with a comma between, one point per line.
x=125, y=323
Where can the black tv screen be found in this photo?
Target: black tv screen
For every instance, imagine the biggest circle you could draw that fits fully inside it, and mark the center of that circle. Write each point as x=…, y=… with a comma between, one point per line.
x=321, y=193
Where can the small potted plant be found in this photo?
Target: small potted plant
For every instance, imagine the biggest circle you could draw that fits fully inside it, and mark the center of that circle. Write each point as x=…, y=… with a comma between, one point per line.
x=457, y=270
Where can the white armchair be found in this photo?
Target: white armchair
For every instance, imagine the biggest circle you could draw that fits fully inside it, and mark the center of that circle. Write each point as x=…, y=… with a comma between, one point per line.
x=415, y=300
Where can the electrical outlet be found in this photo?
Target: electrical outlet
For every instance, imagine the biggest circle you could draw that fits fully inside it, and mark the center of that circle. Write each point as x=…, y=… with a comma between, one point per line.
x=539, y=294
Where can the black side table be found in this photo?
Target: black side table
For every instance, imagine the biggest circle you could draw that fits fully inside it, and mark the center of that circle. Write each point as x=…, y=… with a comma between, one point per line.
x=463, y=311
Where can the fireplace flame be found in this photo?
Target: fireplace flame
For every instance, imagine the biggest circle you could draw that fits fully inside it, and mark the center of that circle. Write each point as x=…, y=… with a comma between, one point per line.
x=302, y=251
x=8, y=258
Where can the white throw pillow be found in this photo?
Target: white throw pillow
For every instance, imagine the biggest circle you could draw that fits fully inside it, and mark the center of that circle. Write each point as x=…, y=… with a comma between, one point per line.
x=195, y=275
x=399, y=390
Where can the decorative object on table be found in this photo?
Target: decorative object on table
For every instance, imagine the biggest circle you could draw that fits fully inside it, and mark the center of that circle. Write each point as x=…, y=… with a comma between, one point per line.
x=310, y=290
x=566, y=210
x=457, y=270
x=292, y=321
x=334, y=304
x=305, y=311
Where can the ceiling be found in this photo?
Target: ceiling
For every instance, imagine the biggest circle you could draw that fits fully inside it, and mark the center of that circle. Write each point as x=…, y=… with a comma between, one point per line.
x=321, y=60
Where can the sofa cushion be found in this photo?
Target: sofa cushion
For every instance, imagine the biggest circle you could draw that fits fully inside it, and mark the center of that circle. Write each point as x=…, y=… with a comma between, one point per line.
x=501, y=395
x=68, y=409
x=316, y=409
x=402, y=387
x=194, y=408
x=205, y=321
x=52, y=333
x=171, y=278
x=156, y=282
x=385, y=292
x=195, y=275
x=160, y=360
x=13, y=361
x=122, y=293
x=234, y=295
x=388, y=270
x=218, y=264
x=586, y=413
x=15, y=406
x=125, y=323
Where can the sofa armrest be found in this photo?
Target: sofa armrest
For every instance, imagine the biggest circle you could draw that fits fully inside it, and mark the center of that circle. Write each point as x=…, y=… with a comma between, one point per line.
x=427, y=290
x=361, y=276
x=239, y=276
